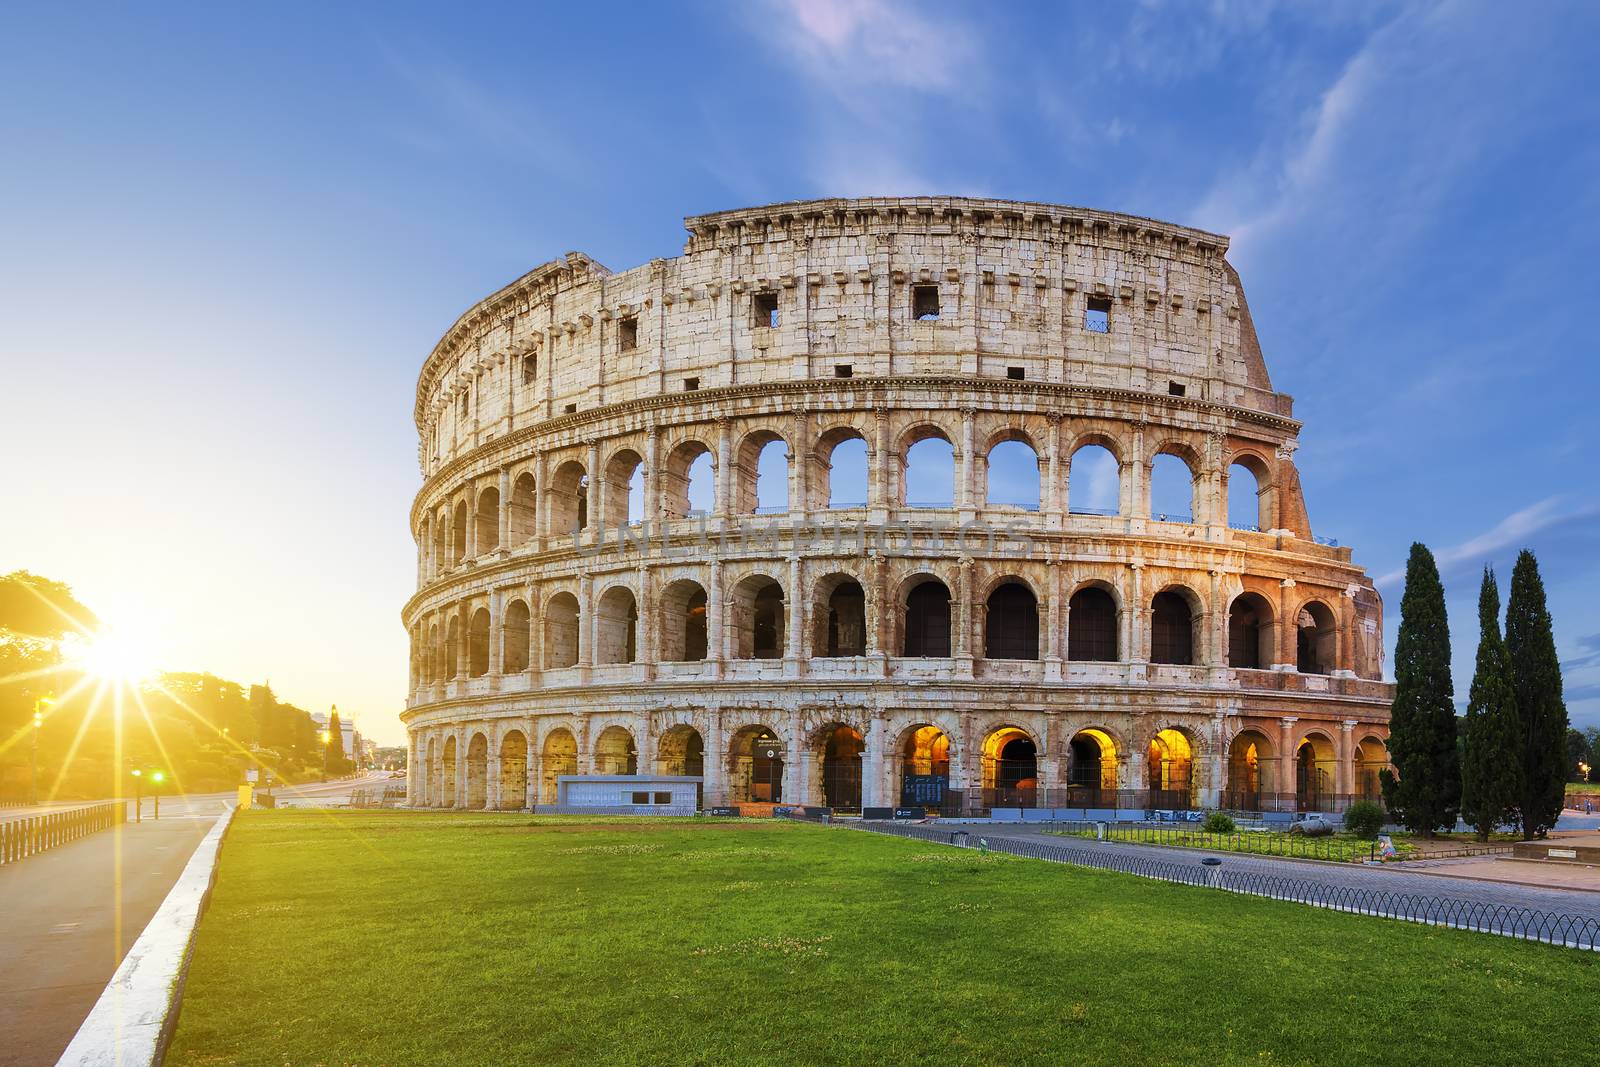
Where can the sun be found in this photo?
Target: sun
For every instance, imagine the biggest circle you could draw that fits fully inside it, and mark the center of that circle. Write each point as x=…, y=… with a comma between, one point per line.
x=112, y=656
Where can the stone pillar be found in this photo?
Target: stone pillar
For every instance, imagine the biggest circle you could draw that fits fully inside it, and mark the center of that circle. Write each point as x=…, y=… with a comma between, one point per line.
x=414, y=781
x=715, y=788
x=1345, y=781
x=1288, y=632
x=535, y=633
x=541, y=499
x=491, y=773
x=724, y=506
x=1138, y=611
x=881, y=463
x=1286, y=782
x=472, y=521
x=496, y=634
x=874, y=765
x=652, y=478
x=504, y=541
x=1053, y=501
x=588, y=624
x=800, y=466
x=794, y=662
x=963, y=620
x=964, y=495
x=1211, y=797
x=461, y=767
x=1218, y=632
x=593, y=531
x=714, y=618
x=1054, y=620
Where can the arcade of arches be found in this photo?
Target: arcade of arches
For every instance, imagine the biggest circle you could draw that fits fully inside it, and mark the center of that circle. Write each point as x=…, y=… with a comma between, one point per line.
x=847, y=765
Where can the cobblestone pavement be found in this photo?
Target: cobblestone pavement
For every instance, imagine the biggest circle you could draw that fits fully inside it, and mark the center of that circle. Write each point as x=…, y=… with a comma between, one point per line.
x=1388, y=878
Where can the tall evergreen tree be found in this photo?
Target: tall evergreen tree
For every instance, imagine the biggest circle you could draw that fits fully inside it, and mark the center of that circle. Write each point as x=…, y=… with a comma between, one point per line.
x=1422, y=727
x=333, y=755
x=1536, y=685
x=1491, y=762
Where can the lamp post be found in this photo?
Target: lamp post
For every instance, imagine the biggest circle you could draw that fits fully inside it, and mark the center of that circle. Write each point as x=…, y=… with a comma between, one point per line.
x=40, y=706
x=138, y=796
x=157, y=777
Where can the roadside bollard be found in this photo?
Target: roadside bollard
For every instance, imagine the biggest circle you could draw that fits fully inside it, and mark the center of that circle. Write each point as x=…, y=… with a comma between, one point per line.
x=1214, y=875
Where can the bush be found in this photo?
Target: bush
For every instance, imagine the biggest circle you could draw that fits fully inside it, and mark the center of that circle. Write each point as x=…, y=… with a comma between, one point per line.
x=1365, y=818
x=1218, y=823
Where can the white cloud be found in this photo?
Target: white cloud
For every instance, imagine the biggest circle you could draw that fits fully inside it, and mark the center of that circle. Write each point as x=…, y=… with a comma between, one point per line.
x=843, y=45
x=1514, y=528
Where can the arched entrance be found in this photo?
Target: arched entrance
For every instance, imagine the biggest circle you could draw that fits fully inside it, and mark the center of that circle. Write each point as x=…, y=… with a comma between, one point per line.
x=1249, y=760
x=924, y=768
x=513, y=771
x=755, y=766
x=1372, y=756
x=1010, y=769
x=1315, y=774
x=842, y=747
x=683, y=752
x=447, y=774
x=1171, y=767
x=1092, y=770
x=478, y=772
x=1011, y=623
x=560, y=756
x=614, y=752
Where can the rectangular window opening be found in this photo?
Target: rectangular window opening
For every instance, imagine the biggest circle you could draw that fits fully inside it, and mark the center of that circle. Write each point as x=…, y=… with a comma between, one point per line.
x=925, y=302
x=663, y=798
x=463, y=405
x=1016, y=374
x=843, y=370
x=1177, y=389
x=530, y=369
x=691, y=384
x=641, y=798
x=571, y=409
x=628, y=333
x=764, y=309
x=1097, y=315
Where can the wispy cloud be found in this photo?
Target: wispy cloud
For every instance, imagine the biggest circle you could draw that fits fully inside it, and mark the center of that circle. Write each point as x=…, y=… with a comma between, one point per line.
x=1516, y=527
x=844, y=45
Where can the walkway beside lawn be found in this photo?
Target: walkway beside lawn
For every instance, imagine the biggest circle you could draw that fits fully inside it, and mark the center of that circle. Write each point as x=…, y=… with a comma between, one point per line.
x=1392, y=878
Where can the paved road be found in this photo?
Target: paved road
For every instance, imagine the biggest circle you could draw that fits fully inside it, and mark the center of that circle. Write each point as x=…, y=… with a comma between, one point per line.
x=1388, y=878
x=70, y=914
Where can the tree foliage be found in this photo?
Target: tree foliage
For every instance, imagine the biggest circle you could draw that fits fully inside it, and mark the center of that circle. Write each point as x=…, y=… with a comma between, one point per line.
x=1491, y=760
x=1536, y=685
x=1425, y=791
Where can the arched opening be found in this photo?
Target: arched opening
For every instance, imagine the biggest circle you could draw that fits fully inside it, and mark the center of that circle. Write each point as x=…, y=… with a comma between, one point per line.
x=478, y=772
x=1171, y=628
x=1249, y=760
x=524, y=510
x=488, y=520
x=447, y=774
x=1171, y=489
x=927, y=619
x=842, y=747
x=757, y=618
x=1092, y=626
x=614, y=752
x=762, y=469
x=569, y=499
x=452, y=648
x=924, y=768
x=618, y=622
x=682, y=751
x=842, y=623
x=1011, y=622
x=844, y=479
x=1249, y=497
x=515, y=638
x=1171, y=769
x=1010, y=770
x=1372, y=757
x=1091, y=769
x=561, y=631
x=1250, y=633
x=1316, y=639
x=458, y=533
x=622, y=491
x=441, y=559
x=1315, y=774
x=513, y=771
x=1012, y=475
x=1094, y=478
x=432, y=667
x=478, y=644
x=929, y=478
x=683, y=622
x=755, y=766
x=559, y=757
x=688, y=482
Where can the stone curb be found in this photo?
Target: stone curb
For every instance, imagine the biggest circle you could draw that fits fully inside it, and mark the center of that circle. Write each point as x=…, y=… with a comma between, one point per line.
x=133, y=1021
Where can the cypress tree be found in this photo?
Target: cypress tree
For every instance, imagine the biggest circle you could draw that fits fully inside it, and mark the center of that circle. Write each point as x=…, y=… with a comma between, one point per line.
x=1422, y=724
x=1491, y=764
x=1536, y=688
x=333, y=752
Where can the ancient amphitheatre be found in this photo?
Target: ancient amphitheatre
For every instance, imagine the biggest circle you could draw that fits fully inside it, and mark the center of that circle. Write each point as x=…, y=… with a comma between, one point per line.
x=665, y=527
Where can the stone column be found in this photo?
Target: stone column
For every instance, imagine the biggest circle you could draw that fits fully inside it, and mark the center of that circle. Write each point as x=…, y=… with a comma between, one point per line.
x=715, y=787
x=881, y=461
x=1288, y=632
x=800, y=466
x=541, y=499
x=1345, y=781
x=496, y=634
x=594, y=532
x=505, y=506
x=1054, y=616
x=414, y=782
x=472, y=521
x=535, y=633
x=491, y=772
x=963, y=620
x=588, y=624
x=1218, y=631
x=1137, y=610
x=652, y=477
x=715, y=621
x=1211, y=797
x=724, y=506
x=1286, y=782
x=964, y=495
x=874, y=765
x=1053, y=502
x=794, y=662
x=461, y=767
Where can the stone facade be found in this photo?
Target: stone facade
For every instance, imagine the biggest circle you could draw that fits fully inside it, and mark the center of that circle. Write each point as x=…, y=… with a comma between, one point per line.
x=569, y=619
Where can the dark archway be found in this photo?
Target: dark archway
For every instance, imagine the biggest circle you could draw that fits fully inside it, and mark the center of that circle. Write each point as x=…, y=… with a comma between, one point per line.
x=1092, y=626
x=927, y=622
x=1011, y=623
x=1171, y=629
x=841, y=769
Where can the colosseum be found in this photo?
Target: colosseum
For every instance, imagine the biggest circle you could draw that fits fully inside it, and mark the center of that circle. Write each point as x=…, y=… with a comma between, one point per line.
x=942, y=503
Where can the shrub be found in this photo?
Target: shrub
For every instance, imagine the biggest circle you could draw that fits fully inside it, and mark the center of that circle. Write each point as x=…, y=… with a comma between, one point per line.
x=1218, y=822
x=1365, y=818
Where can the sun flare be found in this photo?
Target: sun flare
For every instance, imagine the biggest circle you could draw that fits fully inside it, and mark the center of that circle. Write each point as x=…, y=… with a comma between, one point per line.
x=113, y=656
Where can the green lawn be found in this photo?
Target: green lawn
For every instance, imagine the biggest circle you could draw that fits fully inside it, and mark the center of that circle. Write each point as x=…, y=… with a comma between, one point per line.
x=403, y=938
x=1338, y=847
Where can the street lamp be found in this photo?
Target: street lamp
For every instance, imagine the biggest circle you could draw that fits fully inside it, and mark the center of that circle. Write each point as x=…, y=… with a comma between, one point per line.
x=40, y=706
x=138, y=795
x=157, y=777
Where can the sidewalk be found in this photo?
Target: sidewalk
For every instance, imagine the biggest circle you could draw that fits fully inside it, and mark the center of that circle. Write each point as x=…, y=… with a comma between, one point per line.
x=60, y=942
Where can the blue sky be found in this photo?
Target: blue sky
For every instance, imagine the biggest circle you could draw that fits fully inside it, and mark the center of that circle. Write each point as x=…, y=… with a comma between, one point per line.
x=229, y=236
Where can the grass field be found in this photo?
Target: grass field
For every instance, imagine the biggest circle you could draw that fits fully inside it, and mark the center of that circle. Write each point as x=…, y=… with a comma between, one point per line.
x=401, y=938
x=1338, y=848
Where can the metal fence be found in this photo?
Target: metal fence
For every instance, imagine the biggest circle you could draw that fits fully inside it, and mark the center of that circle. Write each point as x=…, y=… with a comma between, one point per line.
x=24, y=837
x=1528, y=924
x=1268, y=844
